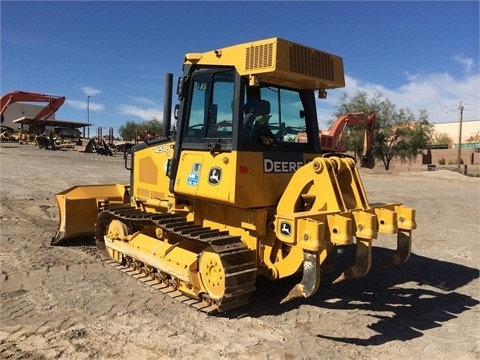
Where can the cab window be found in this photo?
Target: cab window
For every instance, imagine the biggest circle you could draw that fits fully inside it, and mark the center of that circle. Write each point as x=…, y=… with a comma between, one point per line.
x=273, y=116
x=211, y=107
x=287, y=113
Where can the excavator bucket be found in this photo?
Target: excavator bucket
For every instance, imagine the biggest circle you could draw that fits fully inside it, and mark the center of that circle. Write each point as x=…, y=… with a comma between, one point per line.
x=84, y=145
x=79, y=207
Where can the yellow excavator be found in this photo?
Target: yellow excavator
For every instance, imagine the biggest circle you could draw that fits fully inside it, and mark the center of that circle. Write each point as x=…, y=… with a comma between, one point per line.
x=229, y=195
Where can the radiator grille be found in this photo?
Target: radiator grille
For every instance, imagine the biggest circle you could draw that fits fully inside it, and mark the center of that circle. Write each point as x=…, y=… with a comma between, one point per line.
x=310, y=62
x=259, y=57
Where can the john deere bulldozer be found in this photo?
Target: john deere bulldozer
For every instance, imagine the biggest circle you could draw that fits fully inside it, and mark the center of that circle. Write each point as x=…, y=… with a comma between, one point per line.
x=230, y=195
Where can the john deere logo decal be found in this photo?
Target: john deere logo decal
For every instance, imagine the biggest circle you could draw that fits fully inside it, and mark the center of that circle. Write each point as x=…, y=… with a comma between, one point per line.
x=214, y=176
x=285, y=228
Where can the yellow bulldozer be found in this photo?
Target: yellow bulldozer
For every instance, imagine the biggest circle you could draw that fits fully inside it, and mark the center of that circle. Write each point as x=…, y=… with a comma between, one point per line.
x=229, y=195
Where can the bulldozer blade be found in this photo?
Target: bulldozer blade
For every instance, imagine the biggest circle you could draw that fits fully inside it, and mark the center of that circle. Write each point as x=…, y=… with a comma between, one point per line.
x=363, y=261
x=404, y=248
x=310, y=281
x=368, y=161
x=79, y=207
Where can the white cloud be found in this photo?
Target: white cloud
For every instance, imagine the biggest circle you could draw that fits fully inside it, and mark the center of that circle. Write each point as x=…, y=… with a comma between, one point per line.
x=438, y=93
x=467, y=63
x=81, y=104
x=90, y=91
x=140, y=112
x=144, y=100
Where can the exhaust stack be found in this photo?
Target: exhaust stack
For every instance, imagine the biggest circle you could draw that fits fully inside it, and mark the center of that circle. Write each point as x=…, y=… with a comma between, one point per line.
x=167, y=104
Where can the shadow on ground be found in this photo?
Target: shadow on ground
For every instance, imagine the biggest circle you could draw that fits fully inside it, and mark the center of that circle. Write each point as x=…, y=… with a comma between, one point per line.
x=419, y=295
x=75, y=241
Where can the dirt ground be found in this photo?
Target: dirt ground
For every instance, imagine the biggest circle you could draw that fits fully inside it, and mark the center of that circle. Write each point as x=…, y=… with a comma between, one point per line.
x=63, y=303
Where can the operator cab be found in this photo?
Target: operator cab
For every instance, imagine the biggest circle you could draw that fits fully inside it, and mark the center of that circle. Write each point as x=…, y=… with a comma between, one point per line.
x=247, y=120
x=225, y=113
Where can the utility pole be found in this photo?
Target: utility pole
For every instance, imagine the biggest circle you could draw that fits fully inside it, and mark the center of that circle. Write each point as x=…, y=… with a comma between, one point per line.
x=453, y=108
x=459, y=160
x=88, y=115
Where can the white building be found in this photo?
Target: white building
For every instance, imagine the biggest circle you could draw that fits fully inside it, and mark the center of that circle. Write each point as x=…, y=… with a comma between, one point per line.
x=469, y=128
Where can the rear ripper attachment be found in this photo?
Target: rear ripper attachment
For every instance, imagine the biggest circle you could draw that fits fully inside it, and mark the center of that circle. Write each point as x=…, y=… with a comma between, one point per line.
x=325, y=205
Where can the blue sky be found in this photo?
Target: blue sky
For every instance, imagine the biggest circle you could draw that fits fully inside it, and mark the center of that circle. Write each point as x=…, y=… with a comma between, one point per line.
x=420, y=55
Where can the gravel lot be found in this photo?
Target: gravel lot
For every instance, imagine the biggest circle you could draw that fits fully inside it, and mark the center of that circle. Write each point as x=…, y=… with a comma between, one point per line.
x=64, y=303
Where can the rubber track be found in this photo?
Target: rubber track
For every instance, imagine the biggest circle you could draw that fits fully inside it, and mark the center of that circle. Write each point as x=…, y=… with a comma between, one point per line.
x=236, y=258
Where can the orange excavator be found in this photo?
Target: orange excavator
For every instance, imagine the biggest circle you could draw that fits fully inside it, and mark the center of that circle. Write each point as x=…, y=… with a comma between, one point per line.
x=330, y=141
x=54, y=102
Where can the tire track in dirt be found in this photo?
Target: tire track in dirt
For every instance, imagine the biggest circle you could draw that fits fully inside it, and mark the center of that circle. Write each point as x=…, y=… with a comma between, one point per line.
x=57, y=328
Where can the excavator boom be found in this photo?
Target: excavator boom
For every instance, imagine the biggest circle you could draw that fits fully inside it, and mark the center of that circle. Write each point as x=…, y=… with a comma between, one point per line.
x=54, y=102
x=331, y=140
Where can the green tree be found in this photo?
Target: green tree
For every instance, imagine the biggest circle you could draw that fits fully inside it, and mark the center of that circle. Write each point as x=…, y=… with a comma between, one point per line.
x=398, y=132
x=441, y=140
x=127, y=131
x=474, y=138
x=153, y=125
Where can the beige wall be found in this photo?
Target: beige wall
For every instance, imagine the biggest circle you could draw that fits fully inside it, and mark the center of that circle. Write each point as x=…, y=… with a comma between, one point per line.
x=469, y=128
x=470, y=158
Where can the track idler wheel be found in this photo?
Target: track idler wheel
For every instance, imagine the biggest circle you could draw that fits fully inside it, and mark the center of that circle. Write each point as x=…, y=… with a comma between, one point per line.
x=212, y=274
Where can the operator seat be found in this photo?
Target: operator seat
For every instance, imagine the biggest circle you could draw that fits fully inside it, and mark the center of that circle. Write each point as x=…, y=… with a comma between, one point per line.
x=257, y=114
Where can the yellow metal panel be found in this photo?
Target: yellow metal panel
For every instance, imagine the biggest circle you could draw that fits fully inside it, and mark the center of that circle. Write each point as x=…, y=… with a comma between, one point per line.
x=311, y=234
x=150, y=175
x=218, y=178
x=387, y=220
x=235, y=178
x=169, y=258
x=278, y=61
x=250, y=180
x=239, y=179
x=340, y=229
x=405, y=217
x=189, y=171
x=366, y=225
x=148, y=171
x=142, y=192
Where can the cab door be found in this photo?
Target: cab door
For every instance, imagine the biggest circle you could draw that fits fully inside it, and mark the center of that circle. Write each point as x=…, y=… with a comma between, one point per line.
x=206, y=167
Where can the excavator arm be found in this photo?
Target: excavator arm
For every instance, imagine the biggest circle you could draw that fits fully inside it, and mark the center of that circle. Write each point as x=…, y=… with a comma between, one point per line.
x=54, y=102
x=352, y=119
x=330, y=142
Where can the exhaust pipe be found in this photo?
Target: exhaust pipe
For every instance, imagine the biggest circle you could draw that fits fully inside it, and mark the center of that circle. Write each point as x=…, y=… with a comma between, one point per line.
x=167, y=104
